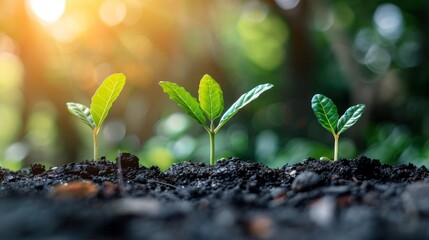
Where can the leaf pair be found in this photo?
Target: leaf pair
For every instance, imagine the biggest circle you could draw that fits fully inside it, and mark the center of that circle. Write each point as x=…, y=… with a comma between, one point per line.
x=327, y=114
x=210, y=104
x=101, y=102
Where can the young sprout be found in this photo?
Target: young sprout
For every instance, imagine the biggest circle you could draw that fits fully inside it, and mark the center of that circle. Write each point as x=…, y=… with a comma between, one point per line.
x=101, y=103
x=210, y=105
x=327, y=115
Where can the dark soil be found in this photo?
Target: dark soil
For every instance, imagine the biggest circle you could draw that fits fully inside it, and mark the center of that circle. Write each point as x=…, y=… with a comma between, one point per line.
x=346, y=199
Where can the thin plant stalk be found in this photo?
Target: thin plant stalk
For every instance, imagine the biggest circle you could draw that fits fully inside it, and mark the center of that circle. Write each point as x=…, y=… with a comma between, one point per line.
x=95, y=137
x=212, y=144
x=336, y=137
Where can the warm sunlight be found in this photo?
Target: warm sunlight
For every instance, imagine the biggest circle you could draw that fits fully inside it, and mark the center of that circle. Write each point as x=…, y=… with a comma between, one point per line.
x=47, y=10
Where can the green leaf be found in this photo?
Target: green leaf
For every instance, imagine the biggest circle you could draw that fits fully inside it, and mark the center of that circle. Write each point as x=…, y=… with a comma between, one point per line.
x=185, y=100
x=326, y=112
x=210, y=97
x=350, y=117
x=81, y=111
x=241, y=102
x=105, y=95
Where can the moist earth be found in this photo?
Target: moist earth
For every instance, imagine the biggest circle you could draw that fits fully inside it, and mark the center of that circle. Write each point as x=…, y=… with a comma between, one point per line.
x=234, y=199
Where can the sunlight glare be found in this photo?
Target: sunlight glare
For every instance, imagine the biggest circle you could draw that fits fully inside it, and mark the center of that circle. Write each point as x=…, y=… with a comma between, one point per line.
x=68, y=27
x=112, y=12
x=47, y=10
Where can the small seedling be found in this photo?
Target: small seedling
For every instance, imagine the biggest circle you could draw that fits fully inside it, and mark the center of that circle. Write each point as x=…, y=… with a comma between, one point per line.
x=210, y=105
x=327, y=115
x=101, y=103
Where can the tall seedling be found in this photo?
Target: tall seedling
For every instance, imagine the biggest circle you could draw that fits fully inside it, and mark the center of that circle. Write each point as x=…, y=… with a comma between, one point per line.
x=210, y=105
x=101, y=103
x=327, y=115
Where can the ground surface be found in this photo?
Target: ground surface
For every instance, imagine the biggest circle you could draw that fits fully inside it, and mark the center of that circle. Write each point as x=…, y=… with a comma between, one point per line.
x=346, y=199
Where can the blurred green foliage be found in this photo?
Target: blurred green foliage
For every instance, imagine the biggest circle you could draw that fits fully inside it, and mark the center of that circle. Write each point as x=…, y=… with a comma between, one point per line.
x=354, y=51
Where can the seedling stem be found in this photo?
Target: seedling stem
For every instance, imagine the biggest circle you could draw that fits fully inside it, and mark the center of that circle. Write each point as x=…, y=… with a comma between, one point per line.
x=212, y=144
x=336, y=137
x=95, y=137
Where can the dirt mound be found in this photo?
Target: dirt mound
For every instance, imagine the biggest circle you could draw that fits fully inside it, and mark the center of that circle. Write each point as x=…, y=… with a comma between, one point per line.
x=235, y=199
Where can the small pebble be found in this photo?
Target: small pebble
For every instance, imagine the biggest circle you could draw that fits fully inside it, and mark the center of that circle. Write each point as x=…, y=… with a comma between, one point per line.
x=306, y=181
x=140, y=178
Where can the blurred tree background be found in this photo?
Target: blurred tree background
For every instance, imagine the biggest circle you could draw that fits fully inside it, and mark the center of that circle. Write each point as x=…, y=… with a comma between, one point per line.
x=373, y=52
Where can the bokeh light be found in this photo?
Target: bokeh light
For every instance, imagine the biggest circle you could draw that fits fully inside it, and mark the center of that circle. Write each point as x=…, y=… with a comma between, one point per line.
x=113, y=12
x=48, y=11
x=287, y=4
x=377, y=59
x=388, y=21
x=68, y=28
x=262, y=36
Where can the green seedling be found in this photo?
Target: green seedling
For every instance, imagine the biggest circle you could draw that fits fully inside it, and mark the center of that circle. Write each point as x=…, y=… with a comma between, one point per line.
x=101, y=103
x=210, y=104
x=327, y=115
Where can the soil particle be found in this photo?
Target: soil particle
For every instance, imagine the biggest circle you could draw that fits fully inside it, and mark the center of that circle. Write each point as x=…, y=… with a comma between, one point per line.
x=37, y=168
x=306, y=181
x=74, y=189
x=234, y=199
x=128, y=160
